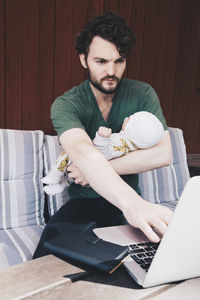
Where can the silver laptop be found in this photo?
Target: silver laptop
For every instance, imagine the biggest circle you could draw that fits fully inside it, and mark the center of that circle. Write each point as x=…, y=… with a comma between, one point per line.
x=177, y=256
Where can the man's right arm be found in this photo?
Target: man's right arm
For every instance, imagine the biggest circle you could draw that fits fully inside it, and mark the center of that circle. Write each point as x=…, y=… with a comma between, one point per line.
x=105, y=181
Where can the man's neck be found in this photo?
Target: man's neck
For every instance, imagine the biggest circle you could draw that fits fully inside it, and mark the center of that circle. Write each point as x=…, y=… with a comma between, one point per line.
x=104, y=101
x=101, y=97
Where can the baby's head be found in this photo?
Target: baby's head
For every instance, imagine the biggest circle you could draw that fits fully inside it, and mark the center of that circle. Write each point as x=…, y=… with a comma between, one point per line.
x=143, y=129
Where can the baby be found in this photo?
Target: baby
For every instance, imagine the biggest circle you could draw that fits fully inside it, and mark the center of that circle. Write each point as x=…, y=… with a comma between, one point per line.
x=141, y=130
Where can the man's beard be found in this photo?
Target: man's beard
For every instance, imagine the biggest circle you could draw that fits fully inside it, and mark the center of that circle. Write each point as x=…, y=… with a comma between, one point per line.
x=99, y=86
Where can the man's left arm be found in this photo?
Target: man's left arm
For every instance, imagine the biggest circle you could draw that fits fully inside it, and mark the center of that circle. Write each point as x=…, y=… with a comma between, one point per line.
x=146, y=159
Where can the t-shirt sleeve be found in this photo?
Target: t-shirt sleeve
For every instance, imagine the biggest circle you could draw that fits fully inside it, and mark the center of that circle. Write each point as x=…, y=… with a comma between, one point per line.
x=152, y=104
x=65, y=115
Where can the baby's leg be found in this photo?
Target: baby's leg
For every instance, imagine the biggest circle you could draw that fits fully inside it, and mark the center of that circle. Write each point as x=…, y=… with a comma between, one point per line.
x=58, y=170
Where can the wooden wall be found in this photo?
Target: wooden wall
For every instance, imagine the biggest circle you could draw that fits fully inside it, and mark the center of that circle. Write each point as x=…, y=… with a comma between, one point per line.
x=38, y=60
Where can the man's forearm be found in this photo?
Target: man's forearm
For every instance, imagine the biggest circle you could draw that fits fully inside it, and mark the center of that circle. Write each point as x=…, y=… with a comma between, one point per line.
x=96, y=169
x=103, y=179
x=146, y=159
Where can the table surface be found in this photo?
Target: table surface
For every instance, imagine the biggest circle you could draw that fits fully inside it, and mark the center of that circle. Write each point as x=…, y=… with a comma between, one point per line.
x=51, y=278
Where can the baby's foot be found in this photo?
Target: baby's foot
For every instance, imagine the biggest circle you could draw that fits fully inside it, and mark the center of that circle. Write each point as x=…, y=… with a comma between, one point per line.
x=54, y=189
x=52, y=179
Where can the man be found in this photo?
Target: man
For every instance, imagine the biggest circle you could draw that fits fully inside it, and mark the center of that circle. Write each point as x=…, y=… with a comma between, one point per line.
x=105, y=99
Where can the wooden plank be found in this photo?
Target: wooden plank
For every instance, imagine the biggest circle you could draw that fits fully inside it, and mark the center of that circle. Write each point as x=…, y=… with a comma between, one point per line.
x=117, y=286
x=193, y=73
x=30, y=105
x=35, y=278
x=112, y=5
x=169, y=69
x=189, y=289
x=63, y=46
x=192, y=147
x=95, y=8
x=137, y=26
x=13, y=63
x=125, y=9
x=149, y=51
x=2, y=66
x=46, y=63
x=161, y=47
x=79, y=20
x=186, y=107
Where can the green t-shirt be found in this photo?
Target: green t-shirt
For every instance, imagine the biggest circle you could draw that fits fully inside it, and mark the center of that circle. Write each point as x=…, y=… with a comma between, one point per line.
x=78, y=108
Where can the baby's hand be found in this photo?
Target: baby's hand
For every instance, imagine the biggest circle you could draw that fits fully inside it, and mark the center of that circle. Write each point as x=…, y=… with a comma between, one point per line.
x=104, y=132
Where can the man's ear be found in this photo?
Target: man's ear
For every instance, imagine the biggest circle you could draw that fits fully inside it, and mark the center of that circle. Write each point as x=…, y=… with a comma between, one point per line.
x=83, y=60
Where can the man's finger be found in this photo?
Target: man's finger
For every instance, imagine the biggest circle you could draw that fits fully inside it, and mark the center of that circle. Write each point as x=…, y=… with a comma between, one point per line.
x=148, y=231
x=159, y=225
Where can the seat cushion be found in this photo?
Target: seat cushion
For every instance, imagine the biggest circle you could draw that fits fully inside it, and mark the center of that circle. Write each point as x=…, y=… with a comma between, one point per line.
x=17, y=245
x=165, y=185
x=52, y=150
x=21, y=190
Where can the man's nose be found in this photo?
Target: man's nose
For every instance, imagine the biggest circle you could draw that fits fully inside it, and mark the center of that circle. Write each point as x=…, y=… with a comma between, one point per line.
x=110, y=69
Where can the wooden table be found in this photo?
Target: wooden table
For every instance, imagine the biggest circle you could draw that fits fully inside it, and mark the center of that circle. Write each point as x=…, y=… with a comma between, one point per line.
x=193, y=161
x=51, y=278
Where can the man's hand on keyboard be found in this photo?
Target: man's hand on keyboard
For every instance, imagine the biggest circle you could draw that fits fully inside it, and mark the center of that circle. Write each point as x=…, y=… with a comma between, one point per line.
x=146, y=216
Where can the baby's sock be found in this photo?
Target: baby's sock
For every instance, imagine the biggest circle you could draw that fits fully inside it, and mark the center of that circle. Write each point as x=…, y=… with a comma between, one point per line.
x=57, y=172
x=53, y=177
x=57, y=188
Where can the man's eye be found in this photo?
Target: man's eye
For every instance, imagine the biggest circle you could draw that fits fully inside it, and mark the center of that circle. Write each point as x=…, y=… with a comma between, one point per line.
x=120, y=61
x=101, y=61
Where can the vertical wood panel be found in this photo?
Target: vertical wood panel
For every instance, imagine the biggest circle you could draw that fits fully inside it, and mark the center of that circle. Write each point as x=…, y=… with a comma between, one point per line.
x=95, y=8
x=79, y=20
x=2, y=66
x=149, y=49
x=125, y=8
x=196, y=95
x=137, y=26
x=30, y=64
x=46, y=62
x=112, y=5
x=63, y=49
x=161, y=44
x=169, y=69
x=13, y=63
x=186, y=108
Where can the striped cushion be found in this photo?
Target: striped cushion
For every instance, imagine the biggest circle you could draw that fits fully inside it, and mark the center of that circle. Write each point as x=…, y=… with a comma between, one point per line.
x=165, y=185
x=21, y=191
x=52, y=149
x=18, y=245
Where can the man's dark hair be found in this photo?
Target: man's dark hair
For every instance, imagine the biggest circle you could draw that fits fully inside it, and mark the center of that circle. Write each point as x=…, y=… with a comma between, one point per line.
x=110, y=27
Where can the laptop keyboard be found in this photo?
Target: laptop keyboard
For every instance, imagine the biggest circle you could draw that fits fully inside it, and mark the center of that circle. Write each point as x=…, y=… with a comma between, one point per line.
x=143, y=253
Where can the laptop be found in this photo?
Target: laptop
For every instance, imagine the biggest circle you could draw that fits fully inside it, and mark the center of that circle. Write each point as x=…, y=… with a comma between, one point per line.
x=177, y=256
